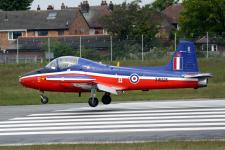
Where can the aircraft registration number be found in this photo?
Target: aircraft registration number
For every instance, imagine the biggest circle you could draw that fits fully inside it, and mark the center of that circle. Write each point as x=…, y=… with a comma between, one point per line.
x=161, y=79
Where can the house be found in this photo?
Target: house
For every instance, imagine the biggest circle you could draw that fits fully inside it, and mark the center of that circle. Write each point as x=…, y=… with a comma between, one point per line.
x=33, y=27
x=172, y=13
x=40, y=23
x=94, y=14
x=215, y=44
x=163, y=25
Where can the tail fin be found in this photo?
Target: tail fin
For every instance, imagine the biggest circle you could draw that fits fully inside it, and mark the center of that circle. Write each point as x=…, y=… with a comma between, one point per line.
x=184, y=58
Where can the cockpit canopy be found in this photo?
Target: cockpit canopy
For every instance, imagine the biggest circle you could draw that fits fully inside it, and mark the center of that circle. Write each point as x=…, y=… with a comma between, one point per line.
x=63, y=62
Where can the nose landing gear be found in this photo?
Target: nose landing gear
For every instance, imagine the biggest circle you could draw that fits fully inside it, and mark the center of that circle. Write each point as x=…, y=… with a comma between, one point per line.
x=93, y=101
x=44, y=99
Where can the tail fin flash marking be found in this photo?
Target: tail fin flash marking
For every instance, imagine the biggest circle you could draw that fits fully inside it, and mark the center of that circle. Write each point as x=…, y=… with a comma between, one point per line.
x=178, y=61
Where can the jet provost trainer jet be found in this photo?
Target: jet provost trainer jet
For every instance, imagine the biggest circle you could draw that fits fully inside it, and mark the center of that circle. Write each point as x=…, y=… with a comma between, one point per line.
x=74, y=74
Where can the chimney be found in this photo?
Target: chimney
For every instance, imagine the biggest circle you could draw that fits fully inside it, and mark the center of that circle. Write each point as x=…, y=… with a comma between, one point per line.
x=38, y=8
x=84, y=6
x=50, y=7
x=104, y=3
x=111, y=6
x=63, y=6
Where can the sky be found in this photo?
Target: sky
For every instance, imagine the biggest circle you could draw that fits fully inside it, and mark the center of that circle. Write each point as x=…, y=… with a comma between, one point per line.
x=72, y=3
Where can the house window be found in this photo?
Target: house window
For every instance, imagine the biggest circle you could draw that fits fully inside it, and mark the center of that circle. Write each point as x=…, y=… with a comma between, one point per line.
x=14, y=35
x=96, y=32
x=213, y=47
x=60, y=33
x=51, y=16
x=41, y=33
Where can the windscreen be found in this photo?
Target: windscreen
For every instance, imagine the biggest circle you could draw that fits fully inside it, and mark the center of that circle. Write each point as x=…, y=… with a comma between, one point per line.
x=67, y=61
x=63, y=62
x=52, y=64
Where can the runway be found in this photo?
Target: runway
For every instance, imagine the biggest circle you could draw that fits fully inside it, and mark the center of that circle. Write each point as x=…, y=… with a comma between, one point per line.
x=117, y=122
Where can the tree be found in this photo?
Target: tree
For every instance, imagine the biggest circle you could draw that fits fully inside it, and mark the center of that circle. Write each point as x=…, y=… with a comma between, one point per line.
x=130, y=20
x=10, y=5
x=127, y=23
x=160, y=5
x=59, y=48
x=200, y=16
x=122, y=19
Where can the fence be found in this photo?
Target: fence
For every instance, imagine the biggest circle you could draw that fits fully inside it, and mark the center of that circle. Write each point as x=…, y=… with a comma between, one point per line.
x=105, y=47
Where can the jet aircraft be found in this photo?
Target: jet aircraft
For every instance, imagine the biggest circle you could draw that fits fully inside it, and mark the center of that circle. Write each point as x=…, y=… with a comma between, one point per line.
x=75, y=74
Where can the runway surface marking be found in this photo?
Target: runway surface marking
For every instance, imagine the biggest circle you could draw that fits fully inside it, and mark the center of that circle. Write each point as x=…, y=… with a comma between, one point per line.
x=119, y=118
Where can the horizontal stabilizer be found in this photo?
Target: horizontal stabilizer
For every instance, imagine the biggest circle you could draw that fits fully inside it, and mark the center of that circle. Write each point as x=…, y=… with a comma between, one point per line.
x=200, y=75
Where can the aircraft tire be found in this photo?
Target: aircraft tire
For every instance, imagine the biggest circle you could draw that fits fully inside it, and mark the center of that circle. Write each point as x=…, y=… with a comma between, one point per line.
x=106, y=99
x=93, y=102
x=44, y=99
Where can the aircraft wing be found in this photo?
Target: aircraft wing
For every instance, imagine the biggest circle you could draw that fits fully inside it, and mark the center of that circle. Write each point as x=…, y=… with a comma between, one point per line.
x=106, y=88
x=83, y=82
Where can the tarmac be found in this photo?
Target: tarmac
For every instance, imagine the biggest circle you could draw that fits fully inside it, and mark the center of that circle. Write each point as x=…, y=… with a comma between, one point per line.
x=118, y=122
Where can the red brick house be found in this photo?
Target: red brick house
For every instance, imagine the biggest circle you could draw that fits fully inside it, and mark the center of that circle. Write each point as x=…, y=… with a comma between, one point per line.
x=26, y=26
x=93, y=15
x=172, y=13
x=39, y=23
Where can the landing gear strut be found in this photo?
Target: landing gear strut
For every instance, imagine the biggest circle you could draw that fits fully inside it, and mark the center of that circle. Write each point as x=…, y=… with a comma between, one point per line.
x=44, y=99
x=106, y=99
x=93, y=101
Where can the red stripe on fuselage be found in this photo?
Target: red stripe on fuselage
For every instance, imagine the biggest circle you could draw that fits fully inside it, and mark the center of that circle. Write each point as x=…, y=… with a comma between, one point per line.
x=39, y=83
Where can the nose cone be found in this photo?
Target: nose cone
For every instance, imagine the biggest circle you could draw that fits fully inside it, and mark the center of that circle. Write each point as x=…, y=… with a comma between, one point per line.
x=29, y=79
x=23, y=81
x=29, y=82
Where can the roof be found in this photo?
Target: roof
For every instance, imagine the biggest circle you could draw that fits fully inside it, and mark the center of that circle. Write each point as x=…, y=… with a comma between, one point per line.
x=94, y=15
x=172, y=12
x=203, y=40
x=36, y=20
x=160, y=19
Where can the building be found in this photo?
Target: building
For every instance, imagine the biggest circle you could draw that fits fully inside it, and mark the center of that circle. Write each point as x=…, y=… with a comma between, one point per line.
x=14, y=24
x=214, y=44
x=164, y=27
x=172, y=13
x=31, y=28
x=28, y=25
x=93, y=15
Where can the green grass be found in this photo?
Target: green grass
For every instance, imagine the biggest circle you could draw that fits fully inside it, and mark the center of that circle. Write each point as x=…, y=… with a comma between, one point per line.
x=171, y=145
x=12, y=93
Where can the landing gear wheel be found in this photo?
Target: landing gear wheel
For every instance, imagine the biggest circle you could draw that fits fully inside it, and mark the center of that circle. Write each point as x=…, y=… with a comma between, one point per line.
x=106, y=99
x=44, y=99
x=93, y=102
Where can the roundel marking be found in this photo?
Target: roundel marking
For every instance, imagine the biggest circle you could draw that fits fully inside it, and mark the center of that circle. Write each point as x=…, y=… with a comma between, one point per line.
x=134, y=78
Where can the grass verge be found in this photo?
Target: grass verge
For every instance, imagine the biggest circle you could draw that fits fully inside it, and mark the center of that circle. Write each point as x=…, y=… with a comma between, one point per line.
x=171, y=145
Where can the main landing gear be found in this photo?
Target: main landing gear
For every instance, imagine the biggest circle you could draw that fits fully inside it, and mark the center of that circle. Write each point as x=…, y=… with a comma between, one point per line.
x=93, y=101
x=106, y=99
x=44, y=99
